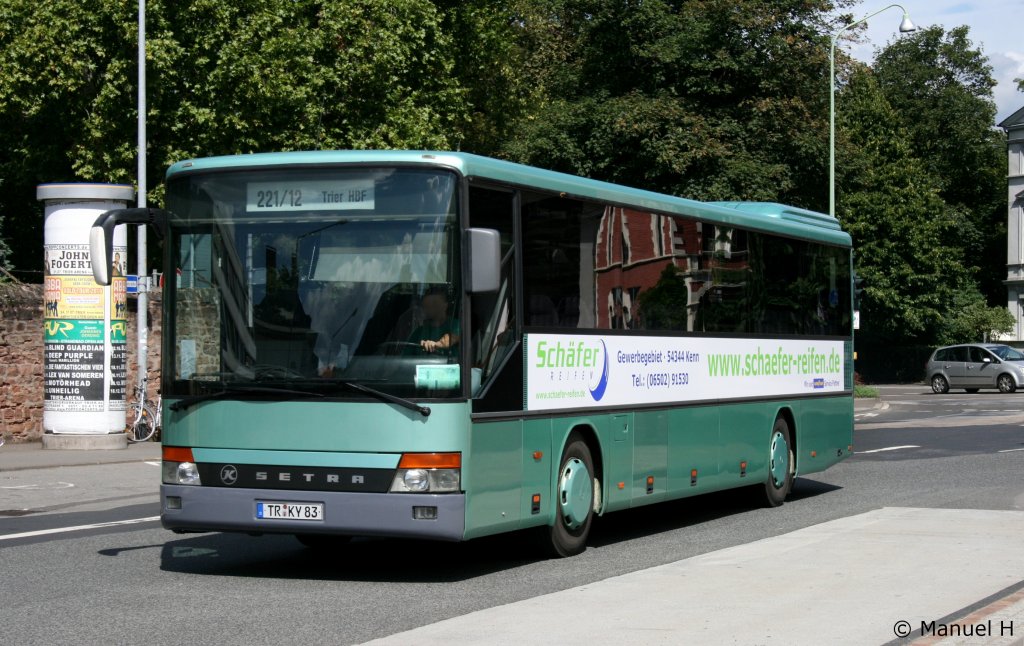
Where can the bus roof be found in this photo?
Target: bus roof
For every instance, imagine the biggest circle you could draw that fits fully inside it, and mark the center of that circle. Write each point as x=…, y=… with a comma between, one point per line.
x=765, y=216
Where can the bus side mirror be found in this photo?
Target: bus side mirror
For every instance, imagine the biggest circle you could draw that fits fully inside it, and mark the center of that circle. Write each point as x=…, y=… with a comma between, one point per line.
x=484, y=263
x=101, y=236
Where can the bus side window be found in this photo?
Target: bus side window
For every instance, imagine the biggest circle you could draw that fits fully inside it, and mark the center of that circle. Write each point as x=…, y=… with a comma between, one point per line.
x=493, y=315
x=559, y=274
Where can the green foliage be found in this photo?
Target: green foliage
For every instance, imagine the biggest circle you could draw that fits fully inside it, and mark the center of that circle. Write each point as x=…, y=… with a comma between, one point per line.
x=971, y=319
x=239, y=77
x=891, y=207
x=711, y=99
x=940, y=88
x=921, y=187
x=866, y=392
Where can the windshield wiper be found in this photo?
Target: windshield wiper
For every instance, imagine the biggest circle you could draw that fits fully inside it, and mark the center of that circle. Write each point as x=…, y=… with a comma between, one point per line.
x=233, y=389
x=383, y=396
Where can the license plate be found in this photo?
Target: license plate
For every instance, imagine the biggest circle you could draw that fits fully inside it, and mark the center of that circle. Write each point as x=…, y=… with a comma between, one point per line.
x=290, y=510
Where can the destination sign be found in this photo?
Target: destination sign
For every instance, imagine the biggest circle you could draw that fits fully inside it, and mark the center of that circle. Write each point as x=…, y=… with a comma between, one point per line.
x=318, y=195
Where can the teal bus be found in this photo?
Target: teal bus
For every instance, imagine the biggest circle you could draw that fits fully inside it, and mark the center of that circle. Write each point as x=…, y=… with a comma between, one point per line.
x=446, y=346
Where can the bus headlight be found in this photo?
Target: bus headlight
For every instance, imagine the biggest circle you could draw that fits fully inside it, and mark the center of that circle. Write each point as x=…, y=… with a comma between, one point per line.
x=416, y=480
x=426, y=481
x=181, y=473
x=428, y=473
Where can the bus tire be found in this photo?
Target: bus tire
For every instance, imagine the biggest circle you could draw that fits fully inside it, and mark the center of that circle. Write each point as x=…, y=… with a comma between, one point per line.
x=574, y=501
x=323, y=541
x=781, y=464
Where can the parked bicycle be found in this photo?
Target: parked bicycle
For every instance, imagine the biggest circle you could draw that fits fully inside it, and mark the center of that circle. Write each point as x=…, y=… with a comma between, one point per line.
x=143, y=418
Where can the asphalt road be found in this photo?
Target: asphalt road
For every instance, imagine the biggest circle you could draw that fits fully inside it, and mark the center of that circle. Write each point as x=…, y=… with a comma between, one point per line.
x=137, y=582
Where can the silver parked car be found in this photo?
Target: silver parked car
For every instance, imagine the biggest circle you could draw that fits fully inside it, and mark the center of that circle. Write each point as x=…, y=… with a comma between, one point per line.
x=975, y=366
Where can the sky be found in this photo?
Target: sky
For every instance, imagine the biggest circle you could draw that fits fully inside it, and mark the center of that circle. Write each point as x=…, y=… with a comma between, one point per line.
x=996, y=28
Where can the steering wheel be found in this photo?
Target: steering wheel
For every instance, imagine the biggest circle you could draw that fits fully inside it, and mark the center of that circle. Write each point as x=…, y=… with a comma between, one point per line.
x=396, y=347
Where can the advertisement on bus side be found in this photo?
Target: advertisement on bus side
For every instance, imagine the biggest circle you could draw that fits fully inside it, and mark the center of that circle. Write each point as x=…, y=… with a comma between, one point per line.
x=583, y=371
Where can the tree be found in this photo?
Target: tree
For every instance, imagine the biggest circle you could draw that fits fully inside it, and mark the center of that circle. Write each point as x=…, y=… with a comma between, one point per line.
x=236, y=77
x=711, y=99
x=490, y=66
x=901, y=227
x=972, y=320
x=56, y=56
x=940, y=88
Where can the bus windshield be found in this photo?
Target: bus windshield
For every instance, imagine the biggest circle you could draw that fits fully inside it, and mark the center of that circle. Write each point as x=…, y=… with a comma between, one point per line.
x=316, y=278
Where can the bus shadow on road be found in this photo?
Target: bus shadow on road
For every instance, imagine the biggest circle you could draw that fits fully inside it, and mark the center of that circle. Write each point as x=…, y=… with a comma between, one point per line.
x=689, y=512
x=361, y=559
x=416, y=561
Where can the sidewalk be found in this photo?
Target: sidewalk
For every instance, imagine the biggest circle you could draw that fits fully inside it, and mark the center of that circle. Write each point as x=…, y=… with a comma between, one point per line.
x=31, y=455
x=893, y=575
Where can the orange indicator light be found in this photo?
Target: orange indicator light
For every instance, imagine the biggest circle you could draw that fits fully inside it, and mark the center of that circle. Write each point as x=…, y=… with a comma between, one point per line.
x=177, y=454
x=814, y=454
x=650, y=480
x=538, y=455
x=622, y=485
x=536, y=498
x=430, y=461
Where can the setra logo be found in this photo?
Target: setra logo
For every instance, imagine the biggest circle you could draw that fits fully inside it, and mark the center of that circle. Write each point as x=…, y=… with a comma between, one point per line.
x=229, y=474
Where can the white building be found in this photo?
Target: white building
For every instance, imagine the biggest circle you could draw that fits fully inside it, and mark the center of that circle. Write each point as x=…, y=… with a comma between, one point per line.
x=1014, y=126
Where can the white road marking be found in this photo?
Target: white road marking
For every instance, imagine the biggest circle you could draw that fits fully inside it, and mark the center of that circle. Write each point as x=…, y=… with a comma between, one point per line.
x=1010, y=450
x=78, y=528
x=892, y=448
x=37, y=487
x=154, y=464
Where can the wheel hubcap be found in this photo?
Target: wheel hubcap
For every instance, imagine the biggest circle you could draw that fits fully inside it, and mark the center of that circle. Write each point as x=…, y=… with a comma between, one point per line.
x=779, y=459
x=575, y=493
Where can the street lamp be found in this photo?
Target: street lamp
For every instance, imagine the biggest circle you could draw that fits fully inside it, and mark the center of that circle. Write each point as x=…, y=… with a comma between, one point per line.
x=905, y=27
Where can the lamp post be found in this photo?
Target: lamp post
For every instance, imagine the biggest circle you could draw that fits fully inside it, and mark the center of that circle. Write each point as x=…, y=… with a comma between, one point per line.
x=143, y=280
x=905, y=27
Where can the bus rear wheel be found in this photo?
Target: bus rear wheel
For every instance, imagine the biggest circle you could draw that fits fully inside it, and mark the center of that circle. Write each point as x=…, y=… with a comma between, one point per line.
x=574, y=504
x=781, y=464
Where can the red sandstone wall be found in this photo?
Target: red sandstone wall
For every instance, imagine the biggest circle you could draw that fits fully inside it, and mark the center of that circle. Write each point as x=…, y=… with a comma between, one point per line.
x=21, y=358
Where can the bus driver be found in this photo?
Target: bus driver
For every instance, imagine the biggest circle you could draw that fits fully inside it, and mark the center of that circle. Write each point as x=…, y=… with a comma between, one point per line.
x=439, y=331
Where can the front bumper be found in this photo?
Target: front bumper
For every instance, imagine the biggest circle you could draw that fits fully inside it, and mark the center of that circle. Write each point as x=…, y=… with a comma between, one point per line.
x=222, y=509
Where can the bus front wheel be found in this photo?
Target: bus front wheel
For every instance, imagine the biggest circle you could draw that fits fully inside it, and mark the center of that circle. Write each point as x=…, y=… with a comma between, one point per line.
x=781, y=465
x=574, y=504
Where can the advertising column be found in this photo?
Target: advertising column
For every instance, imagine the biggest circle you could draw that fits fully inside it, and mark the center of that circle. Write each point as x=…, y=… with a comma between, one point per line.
x=85, y=351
